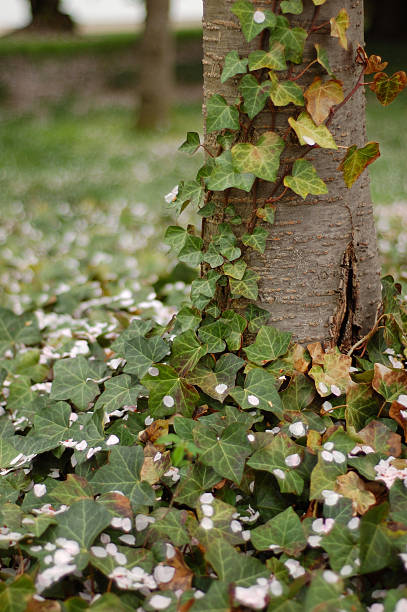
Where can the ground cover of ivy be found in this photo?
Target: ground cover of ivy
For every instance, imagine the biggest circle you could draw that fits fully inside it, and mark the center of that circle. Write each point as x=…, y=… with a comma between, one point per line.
x=148, y=465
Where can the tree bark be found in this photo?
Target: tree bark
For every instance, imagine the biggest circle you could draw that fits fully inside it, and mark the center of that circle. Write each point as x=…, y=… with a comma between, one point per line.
x=157, y=66
x=47, y=16
x=319, y=275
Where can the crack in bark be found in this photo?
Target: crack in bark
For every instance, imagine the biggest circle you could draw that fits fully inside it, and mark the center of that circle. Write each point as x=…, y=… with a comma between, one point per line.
x=344, y=330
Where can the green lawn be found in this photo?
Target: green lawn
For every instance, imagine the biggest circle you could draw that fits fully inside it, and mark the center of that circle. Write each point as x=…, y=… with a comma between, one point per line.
x=82, y=198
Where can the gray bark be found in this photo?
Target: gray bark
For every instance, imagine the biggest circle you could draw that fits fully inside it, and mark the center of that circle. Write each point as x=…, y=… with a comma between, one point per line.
x=320, y=275
x=157, y=66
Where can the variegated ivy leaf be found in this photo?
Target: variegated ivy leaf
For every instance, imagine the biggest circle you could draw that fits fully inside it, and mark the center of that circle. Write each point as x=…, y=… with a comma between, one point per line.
x=305, y=180
x=140, y=354
x=256, y=240
x=224, y=175
x=322, y=97
x=220, y=115
x=222, y=519
x=293, y=39
x=255, y=95
x=169, y=393
x=259, y=392
x=311, y=134
x=192, y=143
x=226, y=453
x=246, y=287
x=270, y=343
x=387, y=88
x=268, y=213
x=322, y=58
x=339, y=25
x=218, y=381
x=235, y=270
x=187, y=246
x=292, y=6
x=273, y=59
x=262, y=159
x=342, y=546
x=233, y=66
x=357, y=160
x=283, y=93
x=15, y=595
x=252, y=21
x=284, y=531
x=77, y=379
x=212, y=256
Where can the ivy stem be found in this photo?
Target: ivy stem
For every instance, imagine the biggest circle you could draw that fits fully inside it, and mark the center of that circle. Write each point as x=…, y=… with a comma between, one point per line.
x=314, y=18
x=205, y=148
x=271, y=200
x=252, y=221
x=295, y=78
x=348, y=97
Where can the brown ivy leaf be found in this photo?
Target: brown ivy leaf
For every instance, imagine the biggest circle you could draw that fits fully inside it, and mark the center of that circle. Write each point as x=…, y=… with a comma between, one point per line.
x=387, y=88
x=357, y=160
x=155, y=464
x=321, y=97
x=351, y=486
x=375, y=64
x=389, y=383
x=398, y=413
x=182, y=579
x=117, y=504
x=381, y=439
x=330, y=371
x=157, y=429
x=43, y=606
x=339, y=25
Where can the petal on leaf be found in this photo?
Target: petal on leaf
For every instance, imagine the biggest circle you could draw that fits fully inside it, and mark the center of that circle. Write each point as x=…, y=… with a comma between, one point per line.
x=245, y=11
x=308, y=132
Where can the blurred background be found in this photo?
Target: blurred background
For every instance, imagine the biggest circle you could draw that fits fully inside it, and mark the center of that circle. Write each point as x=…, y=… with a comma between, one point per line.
x=95, y=98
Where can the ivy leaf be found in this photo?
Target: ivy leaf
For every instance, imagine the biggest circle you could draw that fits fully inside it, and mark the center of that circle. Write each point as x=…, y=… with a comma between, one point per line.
x=252, y=26
x=342, y=548
x=273, y=59
x=71, y=490
x=375, y=64
x=220, y=115
x=233, y=567
x=226, y=453
x=75, y=380
x=224, y=175
x=122, y=473
x=194, y=482
x=292, y=6
x=233, y=66
x=169, y=393
x=217, y=598
x=235, y=270
x=299, y=393
x=322, y=96
x=293, y=39
x=187, y=246
x=119, y=391
x=329, y=370
x=357, y=160
x=318, y=2
x=322, y=58
x=212, y=256
x=141, y=353
x=351, y=486
x=203, y=289
x=339, y=25
x=262, y=159
x=305, y=180
x=189, y=192
x=284, y=530
x=389, y=383
x=234, y=328
x=255, y=95
x=192, y=143
x=222, y=517
x=246, y=287
x=322, y=594
x=187, y=351
x=283, y=93
x=14, y=596
x=375, y=543
x=15, y=329
x=212, y=335
x=257, y=240
x=83, y=522
x=361, y=405
x=259, y=393
x=270, y=343
x=219, y=381
x=171, y=525
x=388, y=88
x=309, y=133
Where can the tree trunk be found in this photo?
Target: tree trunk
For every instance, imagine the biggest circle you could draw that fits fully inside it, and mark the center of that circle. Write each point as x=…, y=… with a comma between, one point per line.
x=157, y=66
x=47, y=16
x=319, y=276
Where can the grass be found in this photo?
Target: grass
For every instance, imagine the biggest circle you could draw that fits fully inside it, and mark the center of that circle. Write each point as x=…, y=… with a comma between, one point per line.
x=82, y=200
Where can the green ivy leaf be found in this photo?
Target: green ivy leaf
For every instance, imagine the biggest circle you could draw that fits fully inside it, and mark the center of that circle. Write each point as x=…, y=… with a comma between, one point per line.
x=171, y=525
x=273, y=59
x=233, y=66
x=376, y=546
x=226, y=453
x=234, y=328
x=257, y=317
x=219, y=381
x=15, y=329
x=361, y=405
x=119, y=391
x=190, y=192
x=71, y=490
x=246, y=287
x=212, y=335
x=323, y=59
x=83, y=522
x=187, y=351
x=259, y=393
x=262, y=159
x=235, y=270
x=254, y=95
x=217, y=598
x=357, y=160
x=270, y=343
x=203, y=289
x=283, y=93
x=233, y=567
x=309, y=133
x=212, y=256
x=305, y=180
x=169, y=393
x=14, y=596
x=325, y=595
x=342, y=547
x=257, y=240
x=122, y=473
x=251, y=22
x=76, y=380
x=293, y=39
x=220, y=115
x=292, y=6
x=192, y=143
x=284, y=530
x=195, y=480
x=225, y=176
x=140, y=354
